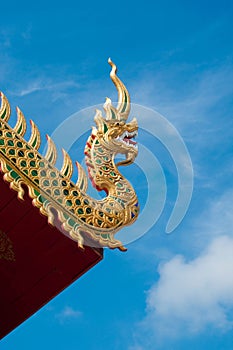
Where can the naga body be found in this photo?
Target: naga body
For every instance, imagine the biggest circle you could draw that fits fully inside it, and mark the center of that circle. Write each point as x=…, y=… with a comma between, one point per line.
x=84, y=219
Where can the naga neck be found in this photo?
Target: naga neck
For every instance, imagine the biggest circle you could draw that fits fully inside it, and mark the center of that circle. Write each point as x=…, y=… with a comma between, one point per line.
x=104, y=173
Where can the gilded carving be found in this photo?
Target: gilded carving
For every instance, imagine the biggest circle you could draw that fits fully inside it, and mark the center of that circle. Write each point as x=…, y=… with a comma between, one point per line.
x=86, y=220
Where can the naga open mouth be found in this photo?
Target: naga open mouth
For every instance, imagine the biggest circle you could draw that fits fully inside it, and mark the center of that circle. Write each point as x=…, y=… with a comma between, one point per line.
x=128, y=138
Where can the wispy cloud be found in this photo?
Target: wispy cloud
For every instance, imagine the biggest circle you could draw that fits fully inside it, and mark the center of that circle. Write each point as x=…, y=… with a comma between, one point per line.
x=193, y=103
x=68, y=314
x=46, y=85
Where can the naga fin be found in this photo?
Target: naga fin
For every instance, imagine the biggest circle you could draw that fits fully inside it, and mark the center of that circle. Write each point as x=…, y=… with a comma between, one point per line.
x=67, y=167
x=82, y=182
x=51, y=154
x=5, y=110
x=21, y=125
x=34, y=140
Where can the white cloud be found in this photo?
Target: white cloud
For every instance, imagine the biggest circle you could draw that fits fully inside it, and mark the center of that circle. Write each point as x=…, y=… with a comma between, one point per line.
x=193, y=295
x=68, y=314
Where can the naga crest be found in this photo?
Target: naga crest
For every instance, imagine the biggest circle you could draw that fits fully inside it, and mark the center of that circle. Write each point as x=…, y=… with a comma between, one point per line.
x=84, y=219
x=116, y=133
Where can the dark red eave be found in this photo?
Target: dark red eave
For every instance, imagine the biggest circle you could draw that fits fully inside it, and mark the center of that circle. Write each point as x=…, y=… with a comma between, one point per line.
x=46, y=261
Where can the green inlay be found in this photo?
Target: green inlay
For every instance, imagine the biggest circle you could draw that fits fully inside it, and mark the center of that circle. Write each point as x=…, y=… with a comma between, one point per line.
x=46, y=183
x=104, y=235
x=3, y=114
x=10, y=143
x=125, y=103
x=112, y=173
x=80, y=211
x=56, y=192
x=9, y=134
x=43, y=173
x=75, y=193
x=25, y=171
x=34, y=143
x=99, y=222
x=98, y=161
x=105, y=129
x=32, y=163
x=21, y=154
x=66, y=172
x=88, y=210
x=66, y=216
x=113, y=114
x=69, y=202
x=12, y=152
x=66, y=192
x=55, y=182
x=64, y=183
x=41, y=164
x=119, y=184
x=14, y=175
x=19, y=144
x=96, y=142
x=53, y=174
x=20, y=128
x=34, y=173
x=71, y=222
x=86, y=201
x=78, y=202
x=30, y=155
x=36, y=192
x=42, y=199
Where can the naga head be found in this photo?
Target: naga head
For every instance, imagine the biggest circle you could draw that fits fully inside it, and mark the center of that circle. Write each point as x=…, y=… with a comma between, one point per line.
x=113, y=131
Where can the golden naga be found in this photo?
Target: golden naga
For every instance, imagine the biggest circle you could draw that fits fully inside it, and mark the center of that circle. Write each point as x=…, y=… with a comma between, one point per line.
x=84, y=219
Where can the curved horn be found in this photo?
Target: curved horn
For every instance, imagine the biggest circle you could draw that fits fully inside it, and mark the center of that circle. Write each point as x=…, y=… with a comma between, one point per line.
x=123, y=107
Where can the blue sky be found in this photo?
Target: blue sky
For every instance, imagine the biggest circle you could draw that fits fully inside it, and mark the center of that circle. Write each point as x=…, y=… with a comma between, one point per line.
x=168, y=291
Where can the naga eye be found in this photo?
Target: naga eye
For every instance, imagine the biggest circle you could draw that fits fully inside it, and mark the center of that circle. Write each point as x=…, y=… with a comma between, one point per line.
x=117, y=124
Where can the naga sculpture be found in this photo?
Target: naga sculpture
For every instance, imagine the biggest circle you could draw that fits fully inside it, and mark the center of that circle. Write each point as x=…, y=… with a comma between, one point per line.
x=84, y=219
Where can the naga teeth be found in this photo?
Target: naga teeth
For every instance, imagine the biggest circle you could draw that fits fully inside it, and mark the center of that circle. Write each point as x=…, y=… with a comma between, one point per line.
x=126, y=137
x=128, y=134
